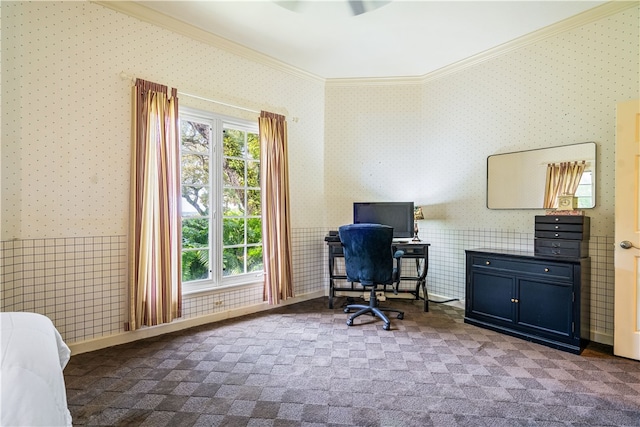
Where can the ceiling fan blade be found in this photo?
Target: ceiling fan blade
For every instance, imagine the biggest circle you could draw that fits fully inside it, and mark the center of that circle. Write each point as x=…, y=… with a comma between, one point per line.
x=357, y=7
x=291, y=5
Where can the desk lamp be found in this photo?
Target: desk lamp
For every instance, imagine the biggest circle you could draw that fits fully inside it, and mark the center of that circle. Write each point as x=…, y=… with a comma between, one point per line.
x=417, y=214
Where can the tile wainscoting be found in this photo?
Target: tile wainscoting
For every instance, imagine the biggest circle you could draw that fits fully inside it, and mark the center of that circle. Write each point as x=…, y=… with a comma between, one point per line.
x=80, y=283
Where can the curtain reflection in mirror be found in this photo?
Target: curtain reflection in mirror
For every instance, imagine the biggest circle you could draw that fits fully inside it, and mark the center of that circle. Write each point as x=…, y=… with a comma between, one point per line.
x=562, y=179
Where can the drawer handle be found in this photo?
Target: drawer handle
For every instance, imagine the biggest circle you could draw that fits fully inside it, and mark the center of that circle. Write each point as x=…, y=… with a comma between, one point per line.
x=546, y=270
x=557, y=235
x=557, y=226
x=488, y=262
x=557, y=219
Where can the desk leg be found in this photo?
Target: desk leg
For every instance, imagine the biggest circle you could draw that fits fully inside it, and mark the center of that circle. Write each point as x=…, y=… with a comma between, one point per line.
x=331, y=292
x=423, y=283
x=330, y=279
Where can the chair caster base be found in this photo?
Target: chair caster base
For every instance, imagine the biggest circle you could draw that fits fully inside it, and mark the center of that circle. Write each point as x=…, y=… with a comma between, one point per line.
x=386, y=326
x=400, y=316
x=349, y=322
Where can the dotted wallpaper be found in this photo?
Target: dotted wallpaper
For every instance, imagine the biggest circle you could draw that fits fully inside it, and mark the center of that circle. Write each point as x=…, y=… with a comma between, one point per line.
x=66, y=131
x=67, y=140
x=560, y=91
x=430, y=142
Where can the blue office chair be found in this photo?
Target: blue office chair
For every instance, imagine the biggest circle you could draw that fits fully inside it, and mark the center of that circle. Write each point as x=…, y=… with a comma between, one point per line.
x=369, y=260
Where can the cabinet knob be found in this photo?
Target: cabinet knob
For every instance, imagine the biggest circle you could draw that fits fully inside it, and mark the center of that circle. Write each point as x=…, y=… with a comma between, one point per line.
x=557, y=219
x=557, y=226
x=546, y=270
x=488, y=262
x=557, y=234
x=514, y=300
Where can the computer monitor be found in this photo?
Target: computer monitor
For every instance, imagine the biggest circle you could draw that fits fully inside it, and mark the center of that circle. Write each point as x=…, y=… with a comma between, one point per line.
x=398, y=215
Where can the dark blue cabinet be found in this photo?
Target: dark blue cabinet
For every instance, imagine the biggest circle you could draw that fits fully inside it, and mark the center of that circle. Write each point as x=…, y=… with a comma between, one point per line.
x=490, y=294
x=534, y=297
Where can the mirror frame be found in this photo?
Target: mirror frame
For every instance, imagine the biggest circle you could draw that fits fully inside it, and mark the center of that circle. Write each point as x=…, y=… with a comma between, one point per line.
x=516, y=180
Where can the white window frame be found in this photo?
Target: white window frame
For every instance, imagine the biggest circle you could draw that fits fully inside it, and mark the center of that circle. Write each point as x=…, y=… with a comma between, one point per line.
x=217, y=280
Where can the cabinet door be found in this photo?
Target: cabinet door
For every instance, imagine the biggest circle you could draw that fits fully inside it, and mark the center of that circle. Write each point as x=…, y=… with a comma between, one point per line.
x=546, y=307
x=491, y=296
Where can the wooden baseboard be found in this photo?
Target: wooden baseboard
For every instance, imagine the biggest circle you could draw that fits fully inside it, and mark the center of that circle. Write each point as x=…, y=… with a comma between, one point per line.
x=180, y=324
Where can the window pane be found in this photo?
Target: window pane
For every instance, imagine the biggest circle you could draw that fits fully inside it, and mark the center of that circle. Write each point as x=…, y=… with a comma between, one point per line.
x=233, y=261
x=233, y=172
x=253, y=145
x=195, y=169
x=233, y=202
x=254, y=259
x=195, y=201
x=254, y=230
x=195, y=233
x=195, y=265
x=233, y=231
x=233, y=143
x=253, y=174
x=195, y=136
x=584, y=192
x=254, y=203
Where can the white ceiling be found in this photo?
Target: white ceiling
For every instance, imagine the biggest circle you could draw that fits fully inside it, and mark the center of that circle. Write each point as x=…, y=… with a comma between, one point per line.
x=402, y=38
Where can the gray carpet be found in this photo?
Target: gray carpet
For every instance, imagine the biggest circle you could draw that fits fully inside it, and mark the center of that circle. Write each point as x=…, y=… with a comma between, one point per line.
x=301, y=365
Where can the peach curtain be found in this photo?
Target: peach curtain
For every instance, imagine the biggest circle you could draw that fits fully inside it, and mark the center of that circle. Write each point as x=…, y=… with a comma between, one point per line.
x=562, y=178
x=155, y=229
x=276, y=230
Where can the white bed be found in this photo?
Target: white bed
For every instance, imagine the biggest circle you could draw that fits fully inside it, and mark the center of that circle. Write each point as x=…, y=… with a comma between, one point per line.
x=32, y=357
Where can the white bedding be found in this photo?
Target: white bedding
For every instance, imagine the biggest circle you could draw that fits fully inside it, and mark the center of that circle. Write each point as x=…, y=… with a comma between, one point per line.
x=32, y=357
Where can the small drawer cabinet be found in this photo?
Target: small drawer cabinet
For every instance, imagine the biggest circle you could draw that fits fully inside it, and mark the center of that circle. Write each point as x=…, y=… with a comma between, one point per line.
x=539, y=298
x=562, y=235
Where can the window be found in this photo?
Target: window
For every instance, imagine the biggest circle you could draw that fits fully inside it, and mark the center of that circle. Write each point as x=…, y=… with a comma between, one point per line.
x=221, y=201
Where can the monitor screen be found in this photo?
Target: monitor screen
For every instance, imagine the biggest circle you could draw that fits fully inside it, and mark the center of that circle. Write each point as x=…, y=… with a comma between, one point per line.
x=398, y=215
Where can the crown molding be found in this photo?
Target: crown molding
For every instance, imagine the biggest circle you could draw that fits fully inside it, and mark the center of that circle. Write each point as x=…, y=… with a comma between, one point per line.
x=151, y=16
x=581, y=19
x=374, y=81
x=599, y=12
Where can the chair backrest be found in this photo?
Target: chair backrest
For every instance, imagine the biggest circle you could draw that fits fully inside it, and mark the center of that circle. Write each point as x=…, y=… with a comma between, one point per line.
x=368, y=255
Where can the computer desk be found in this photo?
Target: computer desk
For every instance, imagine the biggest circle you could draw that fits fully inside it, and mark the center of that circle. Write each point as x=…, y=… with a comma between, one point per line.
x=412, y=250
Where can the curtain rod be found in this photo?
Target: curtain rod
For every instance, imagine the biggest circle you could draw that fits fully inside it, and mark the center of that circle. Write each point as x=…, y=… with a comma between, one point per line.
x=585, y=161
x=125, y=76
